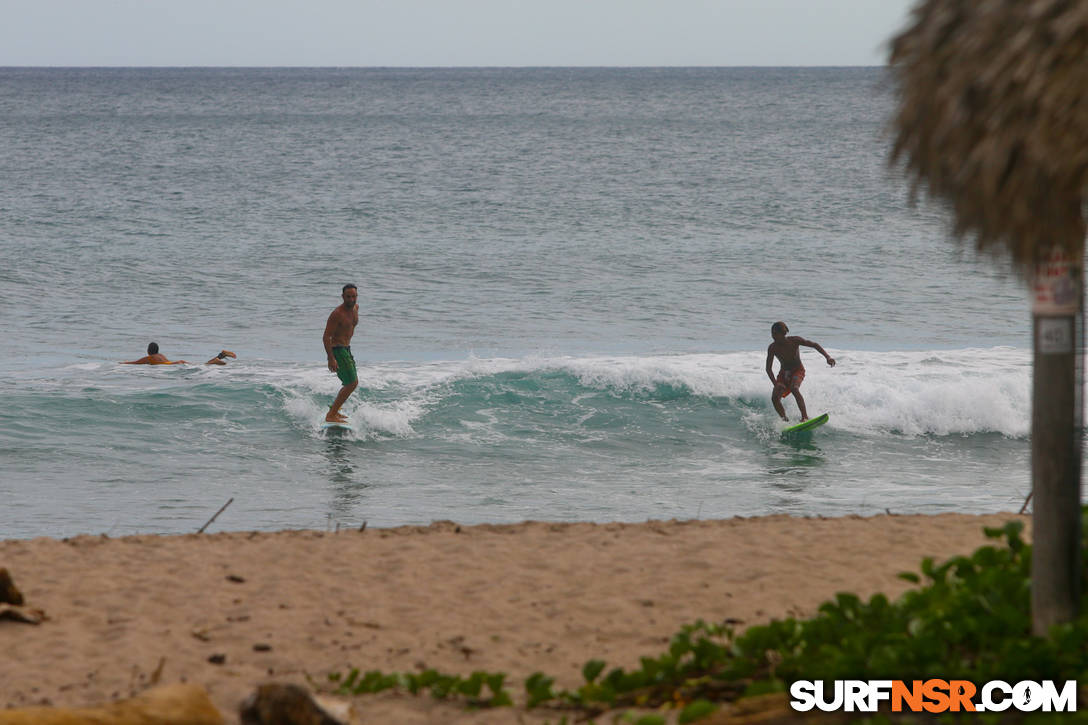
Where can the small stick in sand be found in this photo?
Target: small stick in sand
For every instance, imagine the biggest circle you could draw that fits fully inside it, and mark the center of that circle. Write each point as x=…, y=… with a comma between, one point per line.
x=228, y=503
x=157, y=674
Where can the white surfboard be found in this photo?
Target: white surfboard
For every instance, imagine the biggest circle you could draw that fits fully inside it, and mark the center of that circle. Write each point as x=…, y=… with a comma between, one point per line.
x=341, y=427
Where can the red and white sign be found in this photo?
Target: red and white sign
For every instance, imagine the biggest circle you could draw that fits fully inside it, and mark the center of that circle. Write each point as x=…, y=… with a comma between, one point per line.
x=1054, y=289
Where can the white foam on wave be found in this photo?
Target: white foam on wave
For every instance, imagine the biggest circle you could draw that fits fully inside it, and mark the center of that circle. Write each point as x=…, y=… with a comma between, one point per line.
x=944, y=392
x=89, y=366
x=308, y=390
x=918, y=392
x=304, y=410
x=395, y=419
x=941, y=393
x=371, y=421
x=727, y=375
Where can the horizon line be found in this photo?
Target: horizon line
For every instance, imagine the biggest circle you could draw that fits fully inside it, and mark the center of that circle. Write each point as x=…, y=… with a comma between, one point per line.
x=420, y=67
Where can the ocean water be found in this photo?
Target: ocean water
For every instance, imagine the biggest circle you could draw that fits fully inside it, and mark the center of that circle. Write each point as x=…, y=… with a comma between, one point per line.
x=566, y=277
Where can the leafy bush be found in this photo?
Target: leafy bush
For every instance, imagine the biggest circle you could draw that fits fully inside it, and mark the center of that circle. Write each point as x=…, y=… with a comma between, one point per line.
x=440, y=685
x=970, y=620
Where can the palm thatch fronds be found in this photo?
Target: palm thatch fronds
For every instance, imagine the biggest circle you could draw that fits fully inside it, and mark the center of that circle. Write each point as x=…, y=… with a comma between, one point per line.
x=993, y=119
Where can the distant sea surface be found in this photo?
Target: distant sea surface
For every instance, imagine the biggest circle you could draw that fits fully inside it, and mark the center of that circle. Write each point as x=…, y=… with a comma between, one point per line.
x=567, y=279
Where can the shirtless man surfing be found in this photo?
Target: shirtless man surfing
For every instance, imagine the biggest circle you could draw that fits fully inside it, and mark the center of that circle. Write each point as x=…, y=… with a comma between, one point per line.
x=337, y=339
x=791, y=372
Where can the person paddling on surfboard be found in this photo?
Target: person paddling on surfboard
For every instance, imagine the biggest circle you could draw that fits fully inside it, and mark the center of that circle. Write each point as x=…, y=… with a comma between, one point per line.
x=153, y=357
x=337, y=339
x=221, y=358
x=791, y=372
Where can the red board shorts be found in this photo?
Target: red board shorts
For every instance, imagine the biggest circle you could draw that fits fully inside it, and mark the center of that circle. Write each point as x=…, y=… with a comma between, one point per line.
x=790, y=379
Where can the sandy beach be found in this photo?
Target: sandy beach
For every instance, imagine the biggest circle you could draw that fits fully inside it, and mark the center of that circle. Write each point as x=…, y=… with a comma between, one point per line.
x=229, y=611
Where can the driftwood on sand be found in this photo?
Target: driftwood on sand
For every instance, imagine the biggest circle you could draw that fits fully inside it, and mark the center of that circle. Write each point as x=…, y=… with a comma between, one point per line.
x=181, y=704
x=12, y=601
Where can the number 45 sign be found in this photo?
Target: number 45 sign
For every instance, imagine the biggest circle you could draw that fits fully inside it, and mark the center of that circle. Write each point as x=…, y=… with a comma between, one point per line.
x=1056, y=292
x=1055, y=335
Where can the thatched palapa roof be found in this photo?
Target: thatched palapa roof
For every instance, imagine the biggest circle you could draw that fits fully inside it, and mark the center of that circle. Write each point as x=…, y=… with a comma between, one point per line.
x=993, y=118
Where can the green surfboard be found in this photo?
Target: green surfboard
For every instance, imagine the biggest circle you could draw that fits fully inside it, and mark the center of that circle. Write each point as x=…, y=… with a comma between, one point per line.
x=806, y=425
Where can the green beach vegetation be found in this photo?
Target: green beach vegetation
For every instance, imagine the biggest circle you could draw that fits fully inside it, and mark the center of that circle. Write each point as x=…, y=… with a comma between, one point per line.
x=969, y=619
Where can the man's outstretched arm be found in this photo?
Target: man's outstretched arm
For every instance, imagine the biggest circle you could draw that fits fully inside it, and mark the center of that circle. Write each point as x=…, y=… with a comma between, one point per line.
x=816, y=346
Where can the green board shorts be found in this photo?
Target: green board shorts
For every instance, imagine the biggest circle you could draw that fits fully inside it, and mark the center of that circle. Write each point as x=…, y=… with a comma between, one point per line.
x=345, y=365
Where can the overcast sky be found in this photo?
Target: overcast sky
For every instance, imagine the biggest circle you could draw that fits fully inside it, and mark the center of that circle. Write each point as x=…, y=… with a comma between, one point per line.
x=447, y=32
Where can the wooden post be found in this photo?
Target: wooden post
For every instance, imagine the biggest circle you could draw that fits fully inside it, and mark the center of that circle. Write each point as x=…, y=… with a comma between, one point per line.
x=1056, y=431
